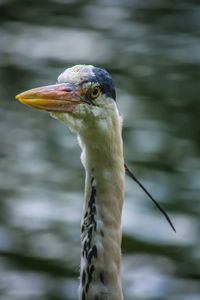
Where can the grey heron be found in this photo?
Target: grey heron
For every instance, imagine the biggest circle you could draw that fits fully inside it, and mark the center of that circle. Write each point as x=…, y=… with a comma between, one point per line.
x=84, y=99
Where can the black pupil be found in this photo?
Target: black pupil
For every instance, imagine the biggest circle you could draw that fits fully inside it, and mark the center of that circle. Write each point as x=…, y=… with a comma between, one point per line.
x=95, y=92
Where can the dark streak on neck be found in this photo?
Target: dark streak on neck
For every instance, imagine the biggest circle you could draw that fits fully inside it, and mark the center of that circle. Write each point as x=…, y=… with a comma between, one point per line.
x=89, y=249
x=90, y=273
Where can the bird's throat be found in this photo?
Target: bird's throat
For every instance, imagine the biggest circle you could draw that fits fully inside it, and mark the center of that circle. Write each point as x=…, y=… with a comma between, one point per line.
x=101, y=223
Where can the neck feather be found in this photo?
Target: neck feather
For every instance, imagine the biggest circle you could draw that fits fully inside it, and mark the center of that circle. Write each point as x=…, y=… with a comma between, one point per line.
x=102, y=157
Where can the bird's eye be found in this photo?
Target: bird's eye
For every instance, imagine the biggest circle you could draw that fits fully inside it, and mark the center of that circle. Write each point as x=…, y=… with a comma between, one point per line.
x=95, y=92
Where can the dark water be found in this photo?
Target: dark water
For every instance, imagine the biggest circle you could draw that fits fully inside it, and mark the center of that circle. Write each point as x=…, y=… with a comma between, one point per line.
x=152, y=50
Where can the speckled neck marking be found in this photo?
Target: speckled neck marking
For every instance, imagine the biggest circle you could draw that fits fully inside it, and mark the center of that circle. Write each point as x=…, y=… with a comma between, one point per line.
x=91, y=274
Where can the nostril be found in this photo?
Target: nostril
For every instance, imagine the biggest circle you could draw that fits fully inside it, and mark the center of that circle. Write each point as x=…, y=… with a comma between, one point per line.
x=67, y=88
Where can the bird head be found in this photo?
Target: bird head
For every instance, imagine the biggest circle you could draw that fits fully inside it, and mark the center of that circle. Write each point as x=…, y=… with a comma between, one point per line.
x=82, y=93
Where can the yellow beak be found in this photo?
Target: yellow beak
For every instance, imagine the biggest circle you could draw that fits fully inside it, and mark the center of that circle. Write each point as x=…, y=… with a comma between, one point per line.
x=62, y=97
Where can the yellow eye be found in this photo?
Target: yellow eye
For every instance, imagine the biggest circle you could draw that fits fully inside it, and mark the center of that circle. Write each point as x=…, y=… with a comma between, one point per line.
x=95, y=92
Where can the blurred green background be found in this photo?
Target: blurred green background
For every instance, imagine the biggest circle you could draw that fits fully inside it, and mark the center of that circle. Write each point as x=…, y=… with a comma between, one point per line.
x=152, y=50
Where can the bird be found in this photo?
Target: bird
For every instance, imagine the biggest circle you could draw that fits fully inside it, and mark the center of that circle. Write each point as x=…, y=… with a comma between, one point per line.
x=84, y=99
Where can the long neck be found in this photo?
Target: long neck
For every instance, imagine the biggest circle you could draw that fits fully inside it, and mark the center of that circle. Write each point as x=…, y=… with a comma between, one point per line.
x=102, y=157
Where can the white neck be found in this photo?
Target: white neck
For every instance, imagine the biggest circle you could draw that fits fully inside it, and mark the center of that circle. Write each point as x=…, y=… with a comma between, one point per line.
x=102, y=157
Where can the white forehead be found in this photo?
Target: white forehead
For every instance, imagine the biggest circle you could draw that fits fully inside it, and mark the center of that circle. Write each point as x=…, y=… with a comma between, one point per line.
x=76, y=74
